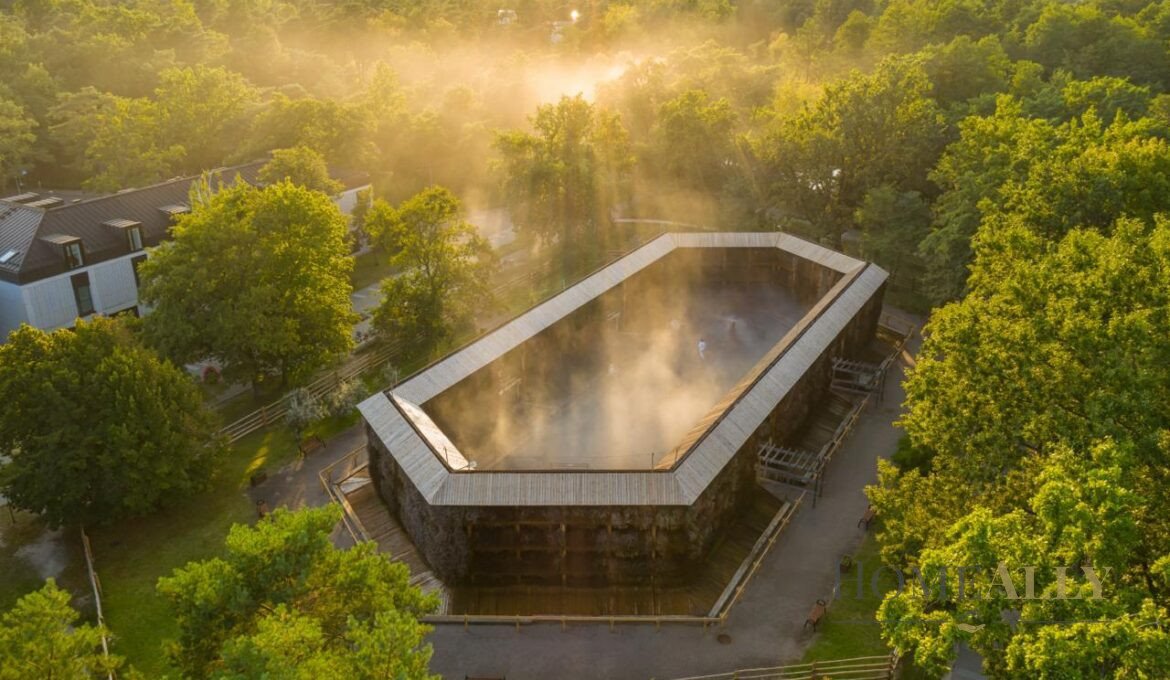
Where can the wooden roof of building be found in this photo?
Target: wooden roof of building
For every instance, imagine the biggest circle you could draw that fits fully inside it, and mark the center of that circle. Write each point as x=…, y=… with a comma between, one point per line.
x=418, y=445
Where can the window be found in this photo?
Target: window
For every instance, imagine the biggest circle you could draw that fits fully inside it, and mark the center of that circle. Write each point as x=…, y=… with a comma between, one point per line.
x=135, y=262
x=81, y=294
x=74, y=258
x=134, y=237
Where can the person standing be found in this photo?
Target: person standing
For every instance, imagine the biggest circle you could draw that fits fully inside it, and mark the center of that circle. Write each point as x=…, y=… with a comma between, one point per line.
x=702, y=349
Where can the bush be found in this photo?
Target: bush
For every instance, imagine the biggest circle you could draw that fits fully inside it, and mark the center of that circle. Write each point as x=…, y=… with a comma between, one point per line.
x=303, y=410
x=346, y=396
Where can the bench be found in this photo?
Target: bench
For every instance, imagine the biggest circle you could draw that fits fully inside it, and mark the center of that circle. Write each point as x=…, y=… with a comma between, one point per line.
x=311, y=444
x=870, y=514
x=816, y=614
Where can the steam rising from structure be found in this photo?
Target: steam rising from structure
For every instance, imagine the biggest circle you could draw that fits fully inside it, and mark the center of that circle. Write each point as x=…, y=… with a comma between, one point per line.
x=620, y=383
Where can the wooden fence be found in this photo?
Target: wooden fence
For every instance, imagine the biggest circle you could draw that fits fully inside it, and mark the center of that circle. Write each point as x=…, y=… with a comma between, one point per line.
x=899, y=328
x=856, y=668
x=275, y=412
x=96, y=584
x=754, y=559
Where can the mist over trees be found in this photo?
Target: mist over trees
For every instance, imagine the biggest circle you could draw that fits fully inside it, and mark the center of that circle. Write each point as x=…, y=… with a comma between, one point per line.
x=563, y=180
x=1007, y=162
x=444, y=268
x=717, y=113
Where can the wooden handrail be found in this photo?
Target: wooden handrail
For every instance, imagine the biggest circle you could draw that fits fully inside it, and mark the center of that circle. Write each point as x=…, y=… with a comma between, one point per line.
x=857, y=668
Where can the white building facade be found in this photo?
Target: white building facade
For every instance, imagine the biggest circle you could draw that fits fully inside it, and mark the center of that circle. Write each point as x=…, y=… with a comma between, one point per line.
x=62, y=262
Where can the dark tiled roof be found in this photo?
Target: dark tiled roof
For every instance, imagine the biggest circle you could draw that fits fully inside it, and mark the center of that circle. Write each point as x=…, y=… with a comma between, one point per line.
x=27, y=230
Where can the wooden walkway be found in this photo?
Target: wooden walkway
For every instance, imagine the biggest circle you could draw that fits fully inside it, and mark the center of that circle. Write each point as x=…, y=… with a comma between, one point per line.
x=799, y=462
x=380, y=527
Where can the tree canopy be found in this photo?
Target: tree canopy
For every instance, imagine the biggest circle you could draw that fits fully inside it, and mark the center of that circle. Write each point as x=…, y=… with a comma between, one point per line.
x=303, y=167
x=1039, y=397
x=563, y=179
x=283, y=602
x=444, y=268
x=96, y=427
x=40, y=637
x=256, y=279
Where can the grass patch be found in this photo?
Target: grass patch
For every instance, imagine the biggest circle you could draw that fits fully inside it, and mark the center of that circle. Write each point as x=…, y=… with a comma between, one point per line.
x=24, y=541
x=131, y=556
x=850, y=627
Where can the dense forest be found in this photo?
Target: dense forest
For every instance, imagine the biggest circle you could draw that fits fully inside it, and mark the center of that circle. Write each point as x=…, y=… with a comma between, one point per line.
x=907, y=123
x=1007, y=161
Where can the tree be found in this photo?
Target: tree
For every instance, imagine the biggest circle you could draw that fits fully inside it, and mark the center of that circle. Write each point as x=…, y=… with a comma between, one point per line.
x=892, y=224
x=1084, y=40
x=1083, y=512
x=339, y=132
x=1052, y=177
x=257, y=279
x=693, y=142
x=965, y=74
x=283, y=602
x=866, y=131
x=1040, y=397
x=303, y=167
x=562, y=181
x=97, y=427
x=202, y=110
x=17, y=140
x=125, y=146
x=444, y=265
x=40, y=638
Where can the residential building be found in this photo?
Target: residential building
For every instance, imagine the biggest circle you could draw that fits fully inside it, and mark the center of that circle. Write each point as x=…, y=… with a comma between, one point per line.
x=62, y=259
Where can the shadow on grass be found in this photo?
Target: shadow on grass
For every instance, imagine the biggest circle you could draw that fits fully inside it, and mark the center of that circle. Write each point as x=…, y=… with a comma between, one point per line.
x=30, y=552
x=131, y=556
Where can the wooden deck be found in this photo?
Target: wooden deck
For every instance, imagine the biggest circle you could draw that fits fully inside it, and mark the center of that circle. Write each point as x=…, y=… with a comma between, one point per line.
x=387, y=533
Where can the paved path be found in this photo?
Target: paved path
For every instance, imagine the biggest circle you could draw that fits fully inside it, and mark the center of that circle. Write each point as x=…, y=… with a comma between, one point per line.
x=298, y=484
x=765, y=626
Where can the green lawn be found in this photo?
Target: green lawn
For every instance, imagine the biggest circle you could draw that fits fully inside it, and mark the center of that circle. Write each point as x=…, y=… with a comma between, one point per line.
x=131, y=556
x=850, y=629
